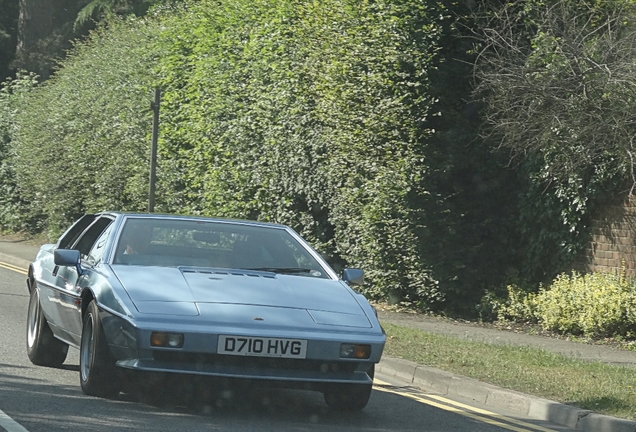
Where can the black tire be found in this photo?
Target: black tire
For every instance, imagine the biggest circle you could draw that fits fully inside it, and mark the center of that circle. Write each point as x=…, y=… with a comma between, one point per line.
x=43, y=348
x=98, y=373
x=349, y=397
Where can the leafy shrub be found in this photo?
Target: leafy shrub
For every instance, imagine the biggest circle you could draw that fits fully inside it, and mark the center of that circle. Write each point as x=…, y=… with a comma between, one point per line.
x=519, y=306
x=309, y=114
x=595, y=304
x=82, y=142
x=13, y=213
x=306, y=113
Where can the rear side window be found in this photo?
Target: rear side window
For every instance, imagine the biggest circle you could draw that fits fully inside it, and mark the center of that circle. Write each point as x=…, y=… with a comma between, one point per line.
x=96, y=254
x=71, y=235
x=90, y=236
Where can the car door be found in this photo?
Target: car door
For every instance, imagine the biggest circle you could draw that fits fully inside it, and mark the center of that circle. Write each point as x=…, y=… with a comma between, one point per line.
x=47, y=275
x=69, y=284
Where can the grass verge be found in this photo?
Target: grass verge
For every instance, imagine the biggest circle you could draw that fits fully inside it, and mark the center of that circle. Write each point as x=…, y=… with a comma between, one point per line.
x=600, y=387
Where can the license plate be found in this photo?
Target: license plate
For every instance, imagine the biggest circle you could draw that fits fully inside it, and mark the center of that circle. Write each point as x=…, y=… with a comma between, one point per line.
x=262, y=347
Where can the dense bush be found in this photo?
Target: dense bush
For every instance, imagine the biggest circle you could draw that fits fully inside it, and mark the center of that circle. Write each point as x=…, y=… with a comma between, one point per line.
x=82, y=140
x=12, y=205
x=306, y=113
x=556, y=80
x=310, y=114
x=595, y=304
x=471, y=235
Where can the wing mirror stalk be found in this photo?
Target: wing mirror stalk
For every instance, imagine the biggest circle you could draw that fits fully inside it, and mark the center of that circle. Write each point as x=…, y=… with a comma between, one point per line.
x=68, y=258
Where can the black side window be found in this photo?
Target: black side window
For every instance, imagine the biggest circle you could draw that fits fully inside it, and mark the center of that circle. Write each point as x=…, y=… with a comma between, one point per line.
x=70, y=236
x=97, y=252
x=88, y=239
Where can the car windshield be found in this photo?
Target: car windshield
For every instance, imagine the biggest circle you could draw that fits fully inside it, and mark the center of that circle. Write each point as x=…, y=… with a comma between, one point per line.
x=179, y=242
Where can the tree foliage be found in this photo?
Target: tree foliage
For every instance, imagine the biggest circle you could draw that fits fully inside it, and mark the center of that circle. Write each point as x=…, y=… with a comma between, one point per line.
x=100, y=10
x=557, y=82
x=80, y=145
x=8, y=35
x=565, y=87
x=13, y=213
x=44, y=32
x=46, y=29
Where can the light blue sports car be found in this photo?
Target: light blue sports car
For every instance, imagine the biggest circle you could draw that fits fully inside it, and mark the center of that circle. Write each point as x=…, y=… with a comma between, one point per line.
x=200, y=296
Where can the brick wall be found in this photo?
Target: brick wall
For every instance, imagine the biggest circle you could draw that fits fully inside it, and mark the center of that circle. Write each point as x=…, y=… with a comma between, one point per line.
x=613, y=239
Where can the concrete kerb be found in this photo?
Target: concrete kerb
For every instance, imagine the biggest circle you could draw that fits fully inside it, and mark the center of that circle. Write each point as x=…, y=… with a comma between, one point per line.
x=602, y=423
x=446, y=383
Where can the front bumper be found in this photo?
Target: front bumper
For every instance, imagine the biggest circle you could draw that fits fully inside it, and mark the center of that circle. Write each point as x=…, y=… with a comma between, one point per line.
x=315, y=373
x=130, y=344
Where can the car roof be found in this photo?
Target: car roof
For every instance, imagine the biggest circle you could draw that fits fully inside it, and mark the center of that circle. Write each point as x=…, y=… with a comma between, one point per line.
x=126, y=215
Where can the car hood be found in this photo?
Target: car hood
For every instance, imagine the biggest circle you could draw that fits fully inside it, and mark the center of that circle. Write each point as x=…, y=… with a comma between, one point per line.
x=183, y=291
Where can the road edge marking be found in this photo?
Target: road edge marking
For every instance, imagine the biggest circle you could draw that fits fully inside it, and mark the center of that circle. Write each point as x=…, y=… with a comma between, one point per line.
x=13, y=268
x=486, y=412
x=10, y=425
x=457, y=411
x=459, y=408
x=6, y=422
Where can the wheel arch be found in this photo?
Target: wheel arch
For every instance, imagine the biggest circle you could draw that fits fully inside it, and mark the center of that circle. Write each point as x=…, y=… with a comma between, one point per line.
x=87, y=296
x=30, y=281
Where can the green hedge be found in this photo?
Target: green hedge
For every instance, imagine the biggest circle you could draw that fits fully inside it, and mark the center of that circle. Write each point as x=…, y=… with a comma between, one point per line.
x=347, y=120
x=13, y=208
x=311, y=114
x=82, y=139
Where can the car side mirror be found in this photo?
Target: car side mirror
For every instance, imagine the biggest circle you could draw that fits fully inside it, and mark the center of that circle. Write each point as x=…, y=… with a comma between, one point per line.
x=67, y=258
x=353, y=276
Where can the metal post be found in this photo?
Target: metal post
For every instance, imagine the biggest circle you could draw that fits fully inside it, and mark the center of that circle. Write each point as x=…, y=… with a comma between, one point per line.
x=153, y=151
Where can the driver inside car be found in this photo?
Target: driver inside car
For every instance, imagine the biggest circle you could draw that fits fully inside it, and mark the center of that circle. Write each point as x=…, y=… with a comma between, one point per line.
x=138, y=240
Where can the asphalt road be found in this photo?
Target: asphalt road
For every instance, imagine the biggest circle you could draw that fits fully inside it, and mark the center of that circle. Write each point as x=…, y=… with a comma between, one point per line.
x=35, y=398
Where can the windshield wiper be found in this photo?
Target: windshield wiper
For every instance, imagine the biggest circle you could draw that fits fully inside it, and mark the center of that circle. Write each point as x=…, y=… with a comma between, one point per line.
x=283, y=270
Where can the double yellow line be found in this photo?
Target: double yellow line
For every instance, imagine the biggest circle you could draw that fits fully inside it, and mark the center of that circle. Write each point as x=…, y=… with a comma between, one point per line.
x=13, y=268
x=462, y=409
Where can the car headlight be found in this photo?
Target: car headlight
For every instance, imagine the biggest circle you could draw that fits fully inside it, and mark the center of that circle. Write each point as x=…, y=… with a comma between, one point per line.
x=166, y=340
x=358, y=351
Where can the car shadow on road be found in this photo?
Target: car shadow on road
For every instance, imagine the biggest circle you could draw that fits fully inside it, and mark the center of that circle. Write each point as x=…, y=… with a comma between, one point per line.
x=204, y=395
x=40, y=404
x=69, y=367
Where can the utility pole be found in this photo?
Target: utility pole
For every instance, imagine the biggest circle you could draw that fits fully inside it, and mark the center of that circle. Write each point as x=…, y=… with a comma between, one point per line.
x=153, y=151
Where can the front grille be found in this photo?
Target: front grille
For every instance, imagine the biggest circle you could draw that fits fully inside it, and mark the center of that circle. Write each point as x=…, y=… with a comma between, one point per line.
x=259, y=363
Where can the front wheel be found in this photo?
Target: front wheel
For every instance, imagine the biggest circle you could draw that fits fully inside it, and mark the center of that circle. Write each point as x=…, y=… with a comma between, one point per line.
x=98, y=373
x=43, y=348
x=349, y=397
